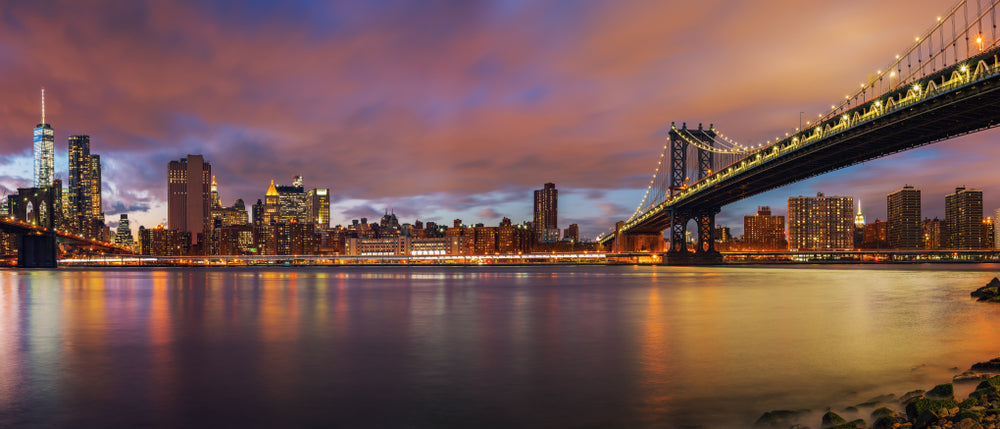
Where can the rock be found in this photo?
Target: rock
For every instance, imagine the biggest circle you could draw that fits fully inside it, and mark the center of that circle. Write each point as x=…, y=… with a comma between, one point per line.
x=910, y=396
x=882, y=412
x=969, y=377
x=778, y=418
x=969, y=424
x=885, y=422
x=941, y=391
x=988, y=292
x=854, y=424
x=831, y=419
x=882, y=398
x=990, y=382
x=993, y=365
x=939, y=407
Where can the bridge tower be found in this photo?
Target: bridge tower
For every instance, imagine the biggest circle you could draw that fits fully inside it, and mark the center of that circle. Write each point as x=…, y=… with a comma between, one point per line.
x=705, y=217
x=39, y=207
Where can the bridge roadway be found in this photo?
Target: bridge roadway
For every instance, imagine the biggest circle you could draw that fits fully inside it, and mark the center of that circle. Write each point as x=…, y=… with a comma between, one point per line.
x=963, y=99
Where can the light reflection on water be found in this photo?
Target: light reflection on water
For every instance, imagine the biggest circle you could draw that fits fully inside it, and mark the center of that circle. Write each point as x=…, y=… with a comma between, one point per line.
x=477, y=346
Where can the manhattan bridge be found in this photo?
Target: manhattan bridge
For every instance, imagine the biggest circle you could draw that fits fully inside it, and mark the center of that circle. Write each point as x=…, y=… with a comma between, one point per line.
x=945, y=85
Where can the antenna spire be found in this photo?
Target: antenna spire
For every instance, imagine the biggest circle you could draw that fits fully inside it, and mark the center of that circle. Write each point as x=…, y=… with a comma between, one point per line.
x=43, y=104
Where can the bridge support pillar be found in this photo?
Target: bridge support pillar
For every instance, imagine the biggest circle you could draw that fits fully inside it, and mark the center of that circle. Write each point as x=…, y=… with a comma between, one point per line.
x=36, y=250
x=705, y=253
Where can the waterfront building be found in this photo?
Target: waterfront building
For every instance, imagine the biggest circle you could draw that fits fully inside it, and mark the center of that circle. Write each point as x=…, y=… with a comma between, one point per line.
x=764, y=231
x=820, y=223
x=546, y=214
x=572, y=233
x=96, y=209
x=964, y=216
x=935, y=233
x=79, y=180
x=513, y=239
x=903, y=208
x=996, y=231
x=876, y=235
x=123, y=235
x=44, y=151
x=989, y=231
x=160, y=241
x=189, y=195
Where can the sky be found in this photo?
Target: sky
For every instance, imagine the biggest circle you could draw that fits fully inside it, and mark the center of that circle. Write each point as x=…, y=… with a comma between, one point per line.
x=442, y=110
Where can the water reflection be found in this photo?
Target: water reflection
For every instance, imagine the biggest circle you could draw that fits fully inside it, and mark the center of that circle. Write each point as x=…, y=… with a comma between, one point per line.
x=494, y=346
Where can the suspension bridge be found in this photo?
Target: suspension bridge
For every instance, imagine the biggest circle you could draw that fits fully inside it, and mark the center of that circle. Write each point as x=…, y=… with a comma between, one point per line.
x=947, y=84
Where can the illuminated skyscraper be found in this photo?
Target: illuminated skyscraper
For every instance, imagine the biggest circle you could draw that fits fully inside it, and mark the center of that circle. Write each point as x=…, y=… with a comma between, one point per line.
x=319, y=201
x=903, y=207
x=44, y=151
x=96, y=212
x=546, y=212
x=79, y=179
x=820, y=223
x=294, y=202
x=189, y=183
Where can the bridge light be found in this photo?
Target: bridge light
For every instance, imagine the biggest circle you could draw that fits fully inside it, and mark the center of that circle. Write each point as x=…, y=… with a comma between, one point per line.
x=893, y=74
x=964, y=67
x=878, y=103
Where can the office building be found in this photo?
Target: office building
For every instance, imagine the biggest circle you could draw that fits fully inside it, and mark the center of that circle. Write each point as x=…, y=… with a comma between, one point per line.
x=820, y=223
x=294, y=202
x=903, y=208
x=44, y=151
x=964, y=216
x=319, y=207
x=546, y=213
x=763, y=231
x=572, y=233
x=189, y=195
x=935, y=233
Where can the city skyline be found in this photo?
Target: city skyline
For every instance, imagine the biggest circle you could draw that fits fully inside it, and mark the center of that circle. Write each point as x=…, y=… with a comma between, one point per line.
x=472, y=121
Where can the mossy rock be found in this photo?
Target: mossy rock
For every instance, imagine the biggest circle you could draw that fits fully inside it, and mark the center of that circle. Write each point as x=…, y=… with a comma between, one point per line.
x=939, y=407
x=968, y=403
x=993, y=382
x=941, y=391
x=831, y=419
x=778, y=418
x=854, y=424
x=985, y=394
x=882, y=412
x=910, y=396
x=884, y=422
x=969, y=414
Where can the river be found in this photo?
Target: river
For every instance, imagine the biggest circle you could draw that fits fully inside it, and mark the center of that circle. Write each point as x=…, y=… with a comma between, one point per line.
x=507, y=346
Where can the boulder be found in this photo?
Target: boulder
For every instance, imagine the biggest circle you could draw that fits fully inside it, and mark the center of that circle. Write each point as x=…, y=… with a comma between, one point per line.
x=939, y=407
x=831, y=419
x=993, y=365
x=910, y=396
x=882, y=412
x=885, y=422
x=778, y=418
x=989, y=382
x=988, y=292
x=941, y=391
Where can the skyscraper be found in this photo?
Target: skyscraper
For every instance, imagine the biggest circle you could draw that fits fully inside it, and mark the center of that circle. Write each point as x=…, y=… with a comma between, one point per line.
x=903, y=207
x=123, y=235
x=820, y=223
x=964, y=216
x=96, y=212
x=44, y=151
x=189, y=186
x=294, y=202
x=546, y=211
x=79, y=180
x=319, y=206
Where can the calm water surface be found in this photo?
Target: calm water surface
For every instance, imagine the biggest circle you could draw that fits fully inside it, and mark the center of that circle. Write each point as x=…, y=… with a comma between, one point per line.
x=539, y=346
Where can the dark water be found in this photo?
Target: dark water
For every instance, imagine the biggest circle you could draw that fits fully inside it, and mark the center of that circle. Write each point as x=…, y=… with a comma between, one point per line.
x=476, y=346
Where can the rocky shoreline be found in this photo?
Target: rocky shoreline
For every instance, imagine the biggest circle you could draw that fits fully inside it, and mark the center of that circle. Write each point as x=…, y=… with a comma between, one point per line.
x=937, y=408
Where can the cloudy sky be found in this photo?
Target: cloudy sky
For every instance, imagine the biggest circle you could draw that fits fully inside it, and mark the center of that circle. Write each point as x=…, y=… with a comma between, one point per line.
x=451, y=109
